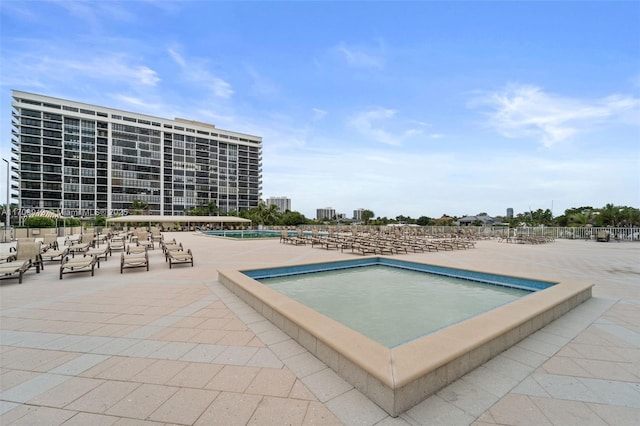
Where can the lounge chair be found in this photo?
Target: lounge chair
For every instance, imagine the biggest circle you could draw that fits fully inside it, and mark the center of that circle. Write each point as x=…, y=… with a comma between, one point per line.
x=71, y=265
x=116, y=244
x=49, y=241
x=85, y=242
x=143, y=239
x=134, y=260
x=100, y=252
x=55, y=254
x=14, y=269
x=179, y=256
x=30, y=250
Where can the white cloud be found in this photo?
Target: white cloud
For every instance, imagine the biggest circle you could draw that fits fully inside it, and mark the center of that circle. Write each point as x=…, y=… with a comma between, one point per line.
x=195, y=71
x=361, y=57
x=521, y=111
x=318, y=114
x=382, y=125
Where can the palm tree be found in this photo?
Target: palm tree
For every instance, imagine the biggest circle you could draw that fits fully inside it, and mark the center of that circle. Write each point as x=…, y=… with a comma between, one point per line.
x=139, y=207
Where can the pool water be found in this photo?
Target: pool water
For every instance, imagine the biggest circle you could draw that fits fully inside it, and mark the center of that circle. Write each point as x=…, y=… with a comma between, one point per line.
x=391, y=305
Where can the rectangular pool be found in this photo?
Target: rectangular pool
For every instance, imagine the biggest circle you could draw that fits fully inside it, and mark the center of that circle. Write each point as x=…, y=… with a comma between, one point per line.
x=399, y=376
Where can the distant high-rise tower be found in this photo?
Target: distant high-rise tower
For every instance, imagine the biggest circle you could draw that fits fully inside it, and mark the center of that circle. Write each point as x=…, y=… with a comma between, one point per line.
x=326, y=213
x=357, y=215
x=283, y=203
x=509, y=213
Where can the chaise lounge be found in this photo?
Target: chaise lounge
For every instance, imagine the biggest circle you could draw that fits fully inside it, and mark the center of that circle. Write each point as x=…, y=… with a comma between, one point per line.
x=72, y=265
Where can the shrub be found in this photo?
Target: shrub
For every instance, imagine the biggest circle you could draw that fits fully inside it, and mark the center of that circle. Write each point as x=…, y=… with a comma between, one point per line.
x=40, y=222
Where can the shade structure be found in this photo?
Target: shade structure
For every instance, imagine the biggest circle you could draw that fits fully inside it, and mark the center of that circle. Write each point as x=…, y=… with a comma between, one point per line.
x=46, y=213
x=176, y=219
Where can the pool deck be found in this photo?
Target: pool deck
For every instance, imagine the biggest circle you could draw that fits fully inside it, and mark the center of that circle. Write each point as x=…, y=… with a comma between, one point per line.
x=176, y=347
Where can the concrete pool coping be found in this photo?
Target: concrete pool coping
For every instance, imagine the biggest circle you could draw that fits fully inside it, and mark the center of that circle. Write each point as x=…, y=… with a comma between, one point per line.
x=398, y=378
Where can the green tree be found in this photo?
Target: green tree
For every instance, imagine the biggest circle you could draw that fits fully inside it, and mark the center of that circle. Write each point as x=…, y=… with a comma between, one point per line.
x=367, y=215
x=139, y=207
x=290, y=218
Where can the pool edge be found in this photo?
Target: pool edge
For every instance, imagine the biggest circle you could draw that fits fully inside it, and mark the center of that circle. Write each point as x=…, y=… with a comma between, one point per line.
x=397, y=379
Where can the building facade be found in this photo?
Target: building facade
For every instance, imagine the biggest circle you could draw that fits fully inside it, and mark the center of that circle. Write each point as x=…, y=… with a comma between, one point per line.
x=326, y=213
x=283, y=203
x=85, y=160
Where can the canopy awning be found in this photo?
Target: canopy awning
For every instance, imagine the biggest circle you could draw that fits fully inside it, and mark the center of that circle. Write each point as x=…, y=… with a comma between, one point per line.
x=177, y=219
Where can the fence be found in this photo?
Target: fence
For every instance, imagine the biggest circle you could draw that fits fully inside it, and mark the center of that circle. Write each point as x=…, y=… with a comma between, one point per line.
x=573, y=233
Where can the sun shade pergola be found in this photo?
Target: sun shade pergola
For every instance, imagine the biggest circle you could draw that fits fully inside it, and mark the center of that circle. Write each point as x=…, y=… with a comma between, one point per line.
x=176, y=219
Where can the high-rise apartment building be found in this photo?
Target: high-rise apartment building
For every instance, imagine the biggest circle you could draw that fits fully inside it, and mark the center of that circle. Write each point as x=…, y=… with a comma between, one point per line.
x=326, y=213
x=283, y=203
x=87, y=160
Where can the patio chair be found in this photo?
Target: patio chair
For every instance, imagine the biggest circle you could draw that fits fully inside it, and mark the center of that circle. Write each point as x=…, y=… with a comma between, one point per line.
x=179, y=256
x=143, y=239
x=100, y=252
x=72, y=265
x=116, y=244
x=55, y=254
x=49, y=241
x=14, y=269
x=85, y=242
x=30, y=250
x=134, y=260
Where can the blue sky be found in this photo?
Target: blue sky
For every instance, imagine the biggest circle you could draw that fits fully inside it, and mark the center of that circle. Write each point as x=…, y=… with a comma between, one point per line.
x=404, y=108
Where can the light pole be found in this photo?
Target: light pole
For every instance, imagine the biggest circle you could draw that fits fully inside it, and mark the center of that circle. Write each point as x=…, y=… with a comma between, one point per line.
x=8, y=211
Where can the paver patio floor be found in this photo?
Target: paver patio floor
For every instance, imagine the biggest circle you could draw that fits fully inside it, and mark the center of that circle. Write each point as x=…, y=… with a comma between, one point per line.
x=174, y=346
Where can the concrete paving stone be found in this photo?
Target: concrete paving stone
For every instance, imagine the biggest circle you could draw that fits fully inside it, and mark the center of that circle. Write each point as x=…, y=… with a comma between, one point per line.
x=530, y=387
x=140, y=403
x=195, y=375
x=34, y=415
x=6, y=406
x=208, y=336
x=177, y=334
x=10, y=378
x=318, y=414
x=160, y=372
x=203, y=353
x=144, y=332
x=116, y=346
x=629, y=336
x=172, y=350
x=287, y=349
x=84, y=419
x=469, y=397
x=561, y=412
x=66, y=392
x=143, y=348
x=118, y=368
x=101, y=398
x=525, y=356
x=279, y=411
x=272, y=382
x=353, y=408
x=436, y=411
x=79, y=364
x=563, y=366
x=326, y=384
x=89, y=343
x=616, y=415
x=236, y=355
x=270, y=337
x=304, y=365
x=607, y=370
x=300, y=391
x=518, y=410
x=614, y=393
x=265, y=358
x=33, y=387
x=233, y=378
x=230, y=409
x=262, y=326
x=185, y=406
x=565, y=387
x=137, y=422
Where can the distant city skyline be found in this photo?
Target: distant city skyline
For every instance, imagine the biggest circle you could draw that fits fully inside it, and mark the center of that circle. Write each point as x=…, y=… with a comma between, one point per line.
x=427, y=108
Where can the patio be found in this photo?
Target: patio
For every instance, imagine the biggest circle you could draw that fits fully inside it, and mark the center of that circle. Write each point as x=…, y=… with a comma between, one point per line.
x=174, y=346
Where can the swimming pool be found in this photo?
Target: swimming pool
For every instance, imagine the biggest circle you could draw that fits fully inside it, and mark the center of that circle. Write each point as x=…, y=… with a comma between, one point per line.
x=392, y=305
x=244, y=234
x=399, y=377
